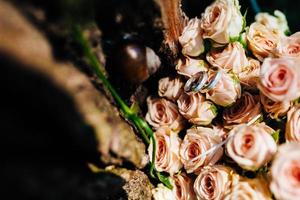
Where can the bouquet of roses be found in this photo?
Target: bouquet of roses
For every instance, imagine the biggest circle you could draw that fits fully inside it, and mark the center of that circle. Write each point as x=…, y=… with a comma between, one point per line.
x=228, y=126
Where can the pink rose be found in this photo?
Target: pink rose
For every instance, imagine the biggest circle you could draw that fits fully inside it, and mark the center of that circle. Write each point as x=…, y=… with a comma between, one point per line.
x=261, y=41
x=162, y=112
x=249, y=189
x=190, y=66
x=170, y=88
x=213, y=182
x=195, y=143
x=243, y=111
x=167, y=151
x=285, y=172
x=196, y=109
x=221, y=21
x=249, y=76
x=292, y=129
x=233, y=57
x=274, y=109
x=251, y=147
x=226, y=91
x=183, y=187
x=191, y=39
x=289, y=46
x=280, y=79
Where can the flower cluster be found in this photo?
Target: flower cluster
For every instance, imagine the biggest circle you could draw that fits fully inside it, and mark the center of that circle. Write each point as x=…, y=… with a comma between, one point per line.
x=231, y=110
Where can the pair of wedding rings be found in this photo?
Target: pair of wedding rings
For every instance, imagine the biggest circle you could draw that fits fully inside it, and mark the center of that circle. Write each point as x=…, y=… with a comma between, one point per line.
x=203, y=81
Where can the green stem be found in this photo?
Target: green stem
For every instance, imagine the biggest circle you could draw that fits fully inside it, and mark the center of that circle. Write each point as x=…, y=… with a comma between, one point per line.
x=143, y=128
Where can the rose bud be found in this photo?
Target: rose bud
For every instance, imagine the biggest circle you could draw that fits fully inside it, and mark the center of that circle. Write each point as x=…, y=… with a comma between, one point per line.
x=276, y=23
x=196, y=109
x=249, y=76
x=285, y=172
x=162, y=192
x=183, y=187
x=193, y=149
x=280, y=80
x=243, y=111
x=233, y=57
x=251, y=147
x=189, y=66
x=274, y=109
x=261, y=41
x=250, y=189
x=293, y=124
x=162, y=112
x=289, y=46
x=213, y=182
x=191, y=39
x=222, y=21
x=170, y=88
x=226, y=90
x=167, y=151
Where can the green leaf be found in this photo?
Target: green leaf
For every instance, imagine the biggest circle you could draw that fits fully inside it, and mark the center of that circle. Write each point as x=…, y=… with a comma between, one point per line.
x=165, y=180
x=276, y=135
x=214, y=109
x=135, y=108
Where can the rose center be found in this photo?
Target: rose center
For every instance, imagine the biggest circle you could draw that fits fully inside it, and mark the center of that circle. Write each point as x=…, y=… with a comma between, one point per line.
x=295, y=172
x=193, y=151
x=209, y=186
x=248, y=142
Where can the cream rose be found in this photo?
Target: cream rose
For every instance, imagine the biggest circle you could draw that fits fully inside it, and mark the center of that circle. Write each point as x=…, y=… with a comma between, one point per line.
x=162, y=112
x=276, y=23
x=170, y=88
x=189, y=66
x=274, y=109
x=285, y=172
x=221, y=21
x=243, y=111
x=292, y=129
x=261, y=41
x=213, y=182
x=162, y=193
x=191, y=39
x=196, y=109
x=167, y=151
x=249, y=189
x=183, y=187
x=289, y=46
x=251, y=147
x=233, y=57
x=249, y=76
x=226, y=91
x=194, y=145
x=279, y=79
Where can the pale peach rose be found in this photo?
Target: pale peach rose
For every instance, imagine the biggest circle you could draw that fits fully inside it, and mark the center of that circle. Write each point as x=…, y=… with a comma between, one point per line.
x=162, y=193
x=167, y=151
x=249, y=189
x=233, y=57
x=226, y=91
x=251, y=147
x=243, y=111
x=170, y=88
x=289, y=46
x=162, y=112
x=191, y=39
x=249, y=76
x=285, y=172
x=274, y=109
x=196, y=109
x=189, y=66
x=193, y=149
x=213, y=182
x=276, y=23
x=292, y=129
x=279, y=79
x=182, y=187
x=222, y=21
x=261, y=41
x=220, y=130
